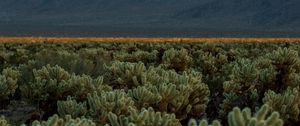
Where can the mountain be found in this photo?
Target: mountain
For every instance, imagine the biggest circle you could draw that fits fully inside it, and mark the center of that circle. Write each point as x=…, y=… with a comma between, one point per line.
x=150, y=17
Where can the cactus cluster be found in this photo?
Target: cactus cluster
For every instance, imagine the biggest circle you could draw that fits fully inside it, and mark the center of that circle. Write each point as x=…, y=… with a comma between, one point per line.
x=150, y=84
x=8, y=83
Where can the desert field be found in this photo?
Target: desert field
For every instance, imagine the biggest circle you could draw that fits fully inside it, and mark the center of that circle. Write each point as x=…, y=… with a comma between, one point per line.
x=48, y=81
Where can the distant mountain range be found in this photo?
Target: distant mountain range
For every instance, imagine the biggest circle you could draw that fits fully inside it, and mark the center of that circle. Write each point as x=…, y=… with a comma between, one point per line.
x=196, y=18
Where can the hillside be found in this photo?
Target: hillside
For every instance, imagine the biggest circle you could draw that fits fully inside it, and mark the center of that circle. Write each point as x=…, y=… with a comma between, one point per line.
x=166, y=18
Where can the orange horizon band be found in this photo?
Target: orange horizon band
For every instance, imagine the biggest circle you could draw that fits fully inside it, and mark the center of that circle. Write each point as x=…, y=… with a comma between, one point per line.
x=137, y=39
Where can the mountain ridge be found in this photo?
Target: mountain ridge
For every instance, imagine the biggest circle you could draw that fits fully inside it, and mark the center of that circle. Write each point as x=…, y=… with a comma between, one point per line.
x=218, y=15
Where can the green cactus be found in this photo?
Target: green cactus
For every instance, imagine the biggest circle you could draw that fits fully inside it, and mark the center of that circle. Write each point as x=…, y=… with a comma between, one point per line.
x=102, y=103
x=67, y=121
x=71, y=107
x=286, y=62
x=260, y=118
x=126, y=75
x=238, y=117
x=143, y=97
x=146, y=117
x=8, y=83
x=204, y=122
x=54, y=83
x=136, y=56
x=48, y=80
x=238, y=91
x=208, y=63
x=286, y=103
x=180, y=60
x=3, y=121
x=80, y=86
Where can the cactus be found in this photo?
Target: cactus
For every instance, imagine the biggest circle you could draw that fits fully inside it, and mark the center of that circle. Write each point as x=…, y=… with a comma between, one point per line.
x=244, y=118
x=146, y=117
x=238, y=117
x=144, y=97
x=242, y=83
x=67, y=121
x=80, y=86
x=180, y=60
x=48, y=80
x=8, y=83
x=102, y=103
x=204, y=122
x=126, y=75
x=136, y=56
x=286, y=103
x=71, y=107
x=286, y=62
x=3, y=121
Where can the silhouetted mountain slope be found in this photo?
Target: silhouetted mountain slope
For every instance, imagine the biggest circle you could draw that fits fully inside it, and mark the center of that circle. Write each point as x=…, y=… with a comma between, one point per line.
x=259, y=13
x=217, y=15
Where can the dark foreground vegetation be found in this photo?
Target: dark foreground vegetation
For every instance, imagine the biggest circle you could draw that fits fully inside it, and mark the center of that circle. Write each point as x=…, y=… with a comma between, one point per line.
x=150, y=84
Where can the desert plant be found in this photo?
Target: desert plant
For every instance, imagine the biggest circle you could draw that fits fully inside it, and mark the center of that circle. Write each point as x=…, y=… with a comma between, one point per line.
x=238, y=117
x=3, y=121
x=100, y=104
x=72, y=108
x=179, y=60
x=286, y=103
x=8, y=83
x=125, y=75
x=145, y=117
x=67, y=121
x=193, y=122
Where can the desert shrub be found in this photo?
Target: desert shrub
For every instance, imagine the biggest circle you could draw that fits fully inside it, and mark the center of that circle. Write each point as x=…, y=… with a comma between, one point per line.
x=3, y=121
x=178, y=60
x=145, y=117
x=286, y=103
x=67, y=121
x=8, y=83
x=125, y=74
x=238, y=117
x=240, y=90
x=285, y=65
x=72, y=108
x=102, y=103
x=150, y=58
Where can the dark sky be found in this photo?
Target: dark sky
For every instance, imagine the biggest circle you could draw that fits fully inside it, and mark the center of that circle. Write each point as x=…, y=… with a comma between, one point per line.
x=189, y=18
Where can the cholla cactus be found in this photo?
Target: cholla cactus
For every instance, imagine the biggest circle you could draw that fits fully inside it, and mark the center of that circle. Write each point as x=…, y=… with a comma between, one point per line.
x=126, y=75
x=102, y=103
x=180, y=94
x=286, y=103
x=244, y=77
x=143, y=97
x=52, y=73
x=8, y=83
x=179, y=60
x=146, y=117
x=84, y=84
x=286, y=62
x=260, y=118
x=209, y=63
x=136, y=56
x=193, y=122
x=242, y=83
x=71, y=107
x=3, y=121
x=83, y=61
x=67, y=121
x=56, y=81
x=245, y=118
x=48, y=80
